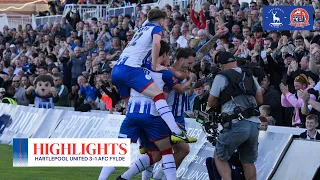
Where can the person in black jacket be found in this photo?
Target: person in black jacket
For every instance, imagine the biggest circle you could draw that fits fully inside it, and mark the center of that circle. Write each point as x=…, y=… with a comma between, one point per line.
x=201, y=100
x=272, y=97
x=311, y=133
x=109, y=90
x=73, y=18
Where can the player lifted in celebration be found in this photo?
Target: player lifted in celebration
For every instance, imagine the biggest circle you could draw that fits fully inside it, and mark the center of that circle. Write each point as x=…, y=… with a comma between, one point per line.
x=127, y=72
x=143, y=119
x=177, y=100
x=148, y=122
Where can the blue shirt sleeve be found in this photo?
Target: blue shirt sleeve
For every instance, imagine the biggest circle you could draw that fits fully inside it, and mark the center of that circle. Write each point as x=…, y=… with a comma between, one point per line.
x=147, y=65
x=33, y=94
x=82, y=91
x=169, y=79
x=92, y=93
x=157, y=30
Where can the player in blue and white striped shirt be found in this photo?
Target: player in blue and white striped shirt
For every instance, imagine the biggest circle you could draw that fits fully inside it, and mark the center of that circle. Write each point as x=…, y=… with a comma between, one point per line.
x=178, y=101
x=127, y=74
x=143, y=118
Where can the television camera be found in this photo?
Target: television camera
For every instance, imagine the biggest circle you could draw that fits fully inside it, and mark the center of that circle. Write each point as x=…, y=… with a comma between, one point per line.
x=210, y=122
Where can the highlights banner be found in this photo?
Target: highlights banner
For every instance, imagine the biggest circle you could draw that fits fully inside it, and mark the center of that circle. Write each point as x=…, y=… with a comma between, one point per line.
x=62, y=152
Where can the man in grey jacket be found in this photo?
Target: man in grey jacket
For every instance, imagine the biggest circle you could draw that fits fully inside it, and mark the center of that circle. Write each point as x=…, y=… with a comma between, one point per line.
x=20, y=92
x=77, y=63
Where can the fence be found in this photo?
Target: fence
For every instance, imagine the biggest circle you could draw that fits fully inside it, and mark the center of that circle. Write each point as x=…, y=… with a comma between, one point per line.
x=131, y=10
x=100, y=11
x=36, y=21
x=13, y=21
x=3, y=21
x=97, y=11
x=182, y=3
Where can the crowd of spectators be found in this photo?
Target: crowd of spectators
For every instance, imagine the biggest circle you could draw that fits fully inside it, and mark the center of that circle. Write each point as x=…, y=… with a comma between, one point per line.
x=80, y=53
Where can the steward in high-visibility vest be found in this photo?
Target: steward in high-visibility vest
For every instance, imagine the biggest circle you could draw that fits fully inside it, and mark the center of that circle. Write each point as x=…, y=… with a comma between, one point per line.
x=9, y=101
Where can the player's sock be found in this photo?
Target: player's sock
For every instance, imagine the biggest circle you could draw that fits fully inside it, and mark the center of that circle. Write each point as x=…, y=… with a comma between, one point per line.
x=168, y=164
x=105, y=172
x=159, y=173
x=165, y=113
x=140, y=165
x=147, y=174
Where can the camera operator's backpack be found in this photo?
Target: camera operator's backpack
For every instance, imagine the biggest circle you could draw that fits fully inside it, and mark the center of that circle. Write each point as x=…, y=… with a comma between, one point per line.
x=239, y=83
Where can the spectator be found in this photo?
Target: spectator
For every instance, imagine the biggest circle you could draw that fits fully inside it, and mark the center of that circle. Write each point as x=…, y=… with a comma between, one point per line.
x=77, y=64
x=86, y=90
x=263, y=123
x=201, y=24
x=115, y=51
x=272, y=98
x=20, y=92
x=25, y=82
x=73, y=19
x=265, y=112
x=201, y=100
x=61, y=90
x=292, y=100
x=191, y=96
x=203, y=39
x=311, y=133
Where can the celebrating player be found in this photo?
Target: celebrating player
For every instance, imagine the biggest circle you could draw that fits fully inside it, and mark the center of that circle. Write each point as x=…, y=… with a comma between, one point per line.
x=149, y=122
x=127, y=74
x=178, y=102
x=143, y=118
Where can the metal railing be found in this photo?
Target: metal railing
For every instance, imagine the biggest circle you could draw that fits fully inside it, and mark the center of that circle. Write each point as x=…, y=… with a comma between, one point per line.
x=13, y=21
x=131, y=10
x=94, y=10
x=3, y=21
x=181, y=3
x=42, y=20
x=100, y=11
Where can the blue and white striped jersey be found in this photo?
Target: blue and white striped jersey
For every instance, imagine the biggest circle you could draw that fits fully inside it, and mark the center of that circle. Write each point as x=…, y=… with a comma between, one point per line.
x=46, y=103
x=179, y=103
x=139, y=48
x=139, y=103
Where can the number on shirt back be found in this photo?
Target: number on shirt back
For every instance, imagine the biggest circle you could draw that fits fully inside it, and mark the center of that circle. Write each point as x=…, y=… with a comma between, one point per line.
x=122, y=60
x=135, y=38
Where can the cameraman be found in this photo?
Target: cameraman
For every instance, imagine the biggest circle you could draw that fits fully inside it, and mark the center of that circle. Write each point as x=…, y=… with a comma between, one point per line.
x=237, y=101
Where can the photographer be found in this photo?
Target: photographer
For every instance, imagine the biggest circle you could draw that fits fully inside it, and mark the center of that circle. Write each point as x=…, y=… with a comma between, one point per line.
x=237, y=93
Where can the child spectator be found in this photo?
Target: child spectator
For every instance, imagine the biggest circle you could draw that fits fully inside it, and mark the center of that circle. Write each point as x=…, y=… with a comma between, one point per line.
x=311, y=133
x=263, y=123
x=265, y=111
